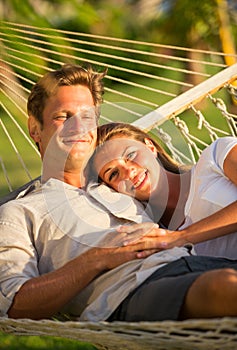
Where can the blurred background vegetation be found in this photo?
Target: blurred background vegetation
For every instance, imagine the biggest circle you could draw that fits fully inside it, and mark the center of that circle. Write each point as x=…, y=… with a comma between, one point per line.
x=206, y=25
x=178, y=22
x=185, y=23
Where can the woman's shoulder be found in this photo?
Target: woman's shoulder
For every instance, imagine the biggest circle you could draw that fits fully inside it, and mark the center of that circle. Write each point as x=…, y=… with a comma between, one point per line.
x=219, y=149
x=212, y=158
x=224, y=142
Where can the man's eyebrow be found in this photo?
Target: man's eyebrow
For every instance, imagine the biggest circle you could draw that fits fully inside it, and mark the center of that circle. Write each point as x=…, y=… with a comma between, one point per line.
x=60, y=111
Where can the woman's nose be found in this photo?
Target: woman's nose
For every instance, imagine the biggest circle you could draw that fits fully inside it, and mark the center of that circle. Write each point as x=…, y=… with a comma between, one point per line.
x=126, y=178
x=129, y=171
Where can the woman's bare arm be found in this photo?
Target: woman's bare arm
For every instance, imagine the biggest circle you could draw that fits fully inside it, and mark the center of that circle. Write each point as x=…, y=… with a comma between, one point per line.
x=216, y=225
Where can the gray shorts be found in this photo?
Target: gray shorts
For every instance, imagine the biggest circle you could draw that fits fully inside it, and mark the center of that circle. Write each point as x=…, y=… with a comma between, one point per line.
x=162, y=295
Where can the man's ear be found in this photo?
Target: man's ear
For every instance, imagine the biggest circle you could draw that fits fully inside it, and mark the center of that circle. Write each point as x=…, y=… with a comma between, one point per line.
x=151, y=146
x=34, y=128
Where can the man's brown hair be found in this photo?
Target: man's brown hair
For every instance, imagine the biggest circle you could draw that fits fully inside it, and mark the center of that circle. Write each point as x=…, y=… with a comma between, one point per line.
x=67, y=75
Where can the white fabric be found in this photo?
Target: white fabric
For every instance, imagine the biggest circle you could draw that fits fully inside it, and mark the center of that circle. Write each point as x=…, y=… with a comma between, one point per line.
x=210, y=191
x=57, y=222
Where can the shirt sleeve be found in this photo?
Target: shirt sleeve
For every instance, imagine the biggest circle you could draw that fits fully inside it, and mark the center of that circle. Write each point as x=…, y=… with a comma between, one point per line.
x=18, y=258
x=222, y=147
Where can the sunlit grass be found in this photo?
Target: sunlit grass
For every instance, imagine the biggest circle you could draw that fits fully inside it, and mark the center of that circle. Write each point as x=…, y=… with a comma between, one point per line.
x=13, y=342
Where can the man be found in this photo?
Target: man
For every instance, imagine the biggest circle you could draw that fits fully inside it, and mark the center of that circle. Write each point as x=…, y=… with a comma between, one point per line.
x=59, y=248
x=63, y=111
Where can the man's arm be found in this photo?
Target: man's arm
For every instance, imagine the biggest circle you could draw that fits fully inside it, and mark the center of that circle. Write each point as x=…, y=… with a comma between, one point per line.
x=44, y=296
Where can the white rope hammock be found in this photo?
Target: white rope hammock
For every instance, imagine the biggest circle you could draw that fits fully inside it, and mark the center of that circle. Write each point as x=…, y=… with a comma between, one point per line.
x=142, y=76
x=163, y=89
x=216, y=334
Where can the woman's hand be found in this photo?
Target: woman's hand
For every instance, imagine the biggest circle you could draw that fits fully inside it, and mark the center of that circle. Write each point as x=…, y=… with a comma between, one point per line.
x=150, y=236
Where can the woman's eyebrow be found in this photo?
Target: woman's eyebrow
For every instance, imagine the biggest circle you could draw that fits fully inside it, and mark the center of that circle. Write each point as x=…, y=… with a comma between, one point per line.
x=125, y=151
x=107, y=170
x=122, y=155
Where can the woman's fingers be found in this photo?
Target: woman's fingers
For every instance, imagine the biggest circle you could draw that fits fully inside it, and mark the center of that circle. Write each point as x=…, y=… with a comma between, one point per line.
x=146, y=227
x=147, y=236
x=137, y=232
x=153, y=235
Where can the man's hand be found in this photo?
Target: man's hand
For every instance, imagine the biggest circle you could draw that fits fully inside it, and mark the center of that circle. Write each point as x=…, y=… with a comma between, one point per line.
x=109, y=258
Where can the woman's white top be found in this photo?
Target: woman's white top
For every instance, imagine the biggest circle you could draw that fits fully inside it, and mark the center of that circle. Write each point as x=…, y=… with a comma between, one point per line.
x=210, y=191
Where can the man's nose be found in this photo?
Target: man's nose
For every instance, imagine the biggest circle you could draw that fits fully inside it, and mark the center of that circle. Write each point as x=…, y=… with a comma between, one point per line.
x=75, y=124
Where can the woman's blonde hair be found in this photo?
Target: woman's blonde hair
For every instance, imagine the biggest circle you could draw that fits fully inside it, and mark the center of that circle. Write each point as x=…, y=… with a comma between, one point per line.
x=107, y=131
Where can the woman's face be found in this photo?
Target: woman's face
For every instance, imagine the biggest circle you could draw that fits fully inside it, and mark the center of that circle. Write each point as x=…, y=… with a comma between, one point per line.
x=128, y=166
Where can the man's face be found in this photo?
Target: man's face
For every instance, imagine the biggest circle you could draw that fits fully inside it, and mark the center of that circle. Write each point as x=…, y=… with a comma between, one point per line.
x=69, y=132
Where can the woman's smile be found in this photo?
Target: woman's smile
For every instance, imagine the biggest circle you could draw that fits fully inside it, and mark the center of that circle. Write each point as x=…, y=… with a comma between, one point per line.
x=139, y=180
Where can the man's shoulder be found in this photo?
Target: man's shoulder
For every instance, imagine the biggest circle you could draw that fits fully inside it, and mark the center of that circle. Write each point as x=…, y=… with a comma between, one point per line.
x=21, y=191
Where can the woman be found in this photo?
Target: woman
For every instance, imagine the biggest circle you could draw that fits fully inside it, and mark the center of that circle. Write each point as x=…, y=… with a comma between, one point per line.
x=199, y=203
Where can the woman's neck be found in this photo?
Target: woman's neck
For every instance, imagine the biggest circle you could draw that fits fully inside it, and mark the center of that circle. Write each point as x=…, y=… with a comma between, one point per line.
x=168, y=202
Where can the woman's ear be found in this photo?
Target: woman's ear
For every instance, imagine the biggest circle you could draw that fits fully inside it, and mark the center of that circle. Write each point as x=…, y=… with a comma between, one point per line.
x=34, y=128
x=151, y=146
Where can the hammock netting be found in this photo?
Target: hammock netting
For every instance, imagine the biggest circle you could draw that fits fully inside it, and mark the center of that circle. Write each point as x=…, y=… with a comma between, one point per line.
x=185, y=98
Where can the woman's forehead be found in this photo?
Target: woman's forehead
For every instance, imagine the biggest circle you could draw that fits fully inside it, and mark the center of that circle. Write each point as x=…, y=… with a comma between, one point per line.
x=116, y=148
x=118, y=145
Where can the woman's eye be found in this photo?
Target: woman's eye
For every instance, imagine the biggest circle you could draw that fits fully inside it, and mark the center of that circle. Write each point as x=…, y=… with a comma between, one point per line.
x=113, y=174
x=131, y=155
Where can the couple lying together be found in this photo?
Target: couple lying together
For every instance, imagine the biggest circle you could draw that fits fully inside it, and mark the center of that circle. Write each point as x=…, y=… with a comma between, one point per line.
x=98, y=254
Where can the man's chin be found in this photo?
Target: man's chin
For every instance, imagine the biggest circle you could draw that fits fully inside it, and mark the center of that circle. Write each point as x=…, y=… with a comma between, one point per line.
x=80, y=155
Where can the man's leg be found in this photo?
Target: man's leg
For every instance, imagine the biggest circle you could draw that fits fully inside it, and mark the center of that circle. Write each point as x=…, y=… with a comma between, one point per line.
x=212, y=294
